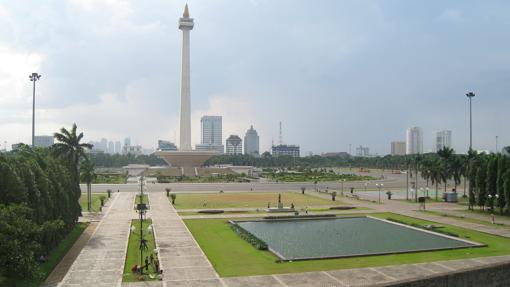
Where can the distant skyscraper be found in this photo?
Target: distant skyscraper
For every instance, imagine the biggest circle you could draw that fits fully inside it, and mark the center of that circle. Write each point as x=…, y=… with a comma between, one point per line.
x=103, y=145
x=362, y=151
x=127, y=141
x=111, y=147
x=166, y=145
x=398, y=148
x=443, y=139
x=211, y=134
x=414, y=140
x=234, y=145
x=251, y=142
x=43, y=141
x=118, y=148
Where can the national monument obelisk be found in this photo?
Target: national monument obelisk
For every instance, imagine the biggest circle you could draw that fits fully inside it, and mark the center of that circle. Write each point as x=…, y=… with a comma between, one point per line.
x=185, y=157
x=186, y=25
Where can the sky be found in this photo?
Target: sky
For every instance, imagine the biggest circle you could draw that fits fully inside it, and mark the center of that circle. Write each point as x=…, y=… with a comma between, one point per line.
x=335, y=73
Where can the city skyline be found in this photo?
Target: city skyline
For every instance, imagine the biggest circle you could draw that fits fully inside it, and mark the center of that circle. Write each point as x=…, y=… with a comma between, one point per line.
x=434, y=52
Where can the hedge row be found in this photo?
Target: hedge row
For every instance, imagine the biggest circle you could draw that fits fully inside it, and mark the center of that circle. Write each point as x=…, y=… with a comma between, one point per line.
x=257, y=243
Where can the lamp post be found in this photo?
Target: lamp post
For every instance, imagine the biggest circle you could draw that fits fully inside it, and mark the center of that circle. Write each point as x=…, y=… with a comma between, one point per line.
x=366, y=184
x=342, y=181
x=380, y=186
x=470, y=95
x=141, y=211
x=33, y=78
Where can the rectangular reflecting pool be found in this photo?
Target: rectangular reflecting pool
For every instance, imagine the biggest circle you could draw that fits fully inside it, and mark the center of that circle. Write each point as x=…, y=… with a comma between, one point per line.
x=301, y=239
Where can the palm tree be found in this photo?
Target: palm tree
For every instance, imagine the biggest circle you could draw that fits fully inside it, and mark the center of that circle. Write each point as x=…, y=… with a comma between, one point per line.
x=457, y=171
x=435, y=175
x=446, y=155
x=88, y=175
x=71, y=151
x=69, y=147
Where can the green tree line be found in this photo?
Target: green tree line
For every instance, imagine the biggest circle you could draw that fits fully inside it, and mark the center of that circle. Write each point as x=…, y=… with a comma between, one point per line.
x=39, y=193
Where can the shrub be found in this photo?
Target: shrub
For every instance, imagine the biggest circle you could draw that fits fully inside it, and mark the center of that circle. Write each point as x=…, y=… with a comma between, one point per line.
x=173, y=196
x=257, y=243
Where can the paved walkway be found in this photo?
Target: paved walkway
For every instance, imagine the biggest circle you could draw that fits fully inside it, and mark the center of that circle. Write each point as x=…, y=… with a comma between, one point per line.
x=181, y=258
x=101, y=262
x=60, y=271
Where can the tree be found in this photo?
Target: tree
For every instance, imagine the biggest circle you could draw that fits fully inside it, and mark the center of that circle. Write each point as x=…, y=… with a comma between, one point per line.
x=456, y=168
x=87, y=175
x=506, y=183
x=500, y=183
x=471, y=171
x=481, y=181
x=435, y=175
x=18, y=234
x=71, y=150
x=491, y=178
x=446, y=155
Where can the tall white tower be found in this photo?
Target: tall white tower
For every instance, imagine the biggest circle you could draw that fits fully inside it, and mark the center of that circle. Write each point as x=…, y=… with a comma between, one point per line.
x=414, y=141
x=186, y=25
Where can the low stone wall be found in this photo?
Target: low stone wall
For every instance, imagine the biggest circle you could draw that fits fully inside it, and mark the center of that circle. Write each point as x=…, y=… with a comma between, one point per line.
x=494, y=275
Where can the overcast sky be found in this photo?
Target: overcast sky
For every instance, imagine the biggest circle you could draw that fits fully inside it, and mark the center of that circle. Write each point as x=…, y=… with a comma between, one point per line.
x=334, y=72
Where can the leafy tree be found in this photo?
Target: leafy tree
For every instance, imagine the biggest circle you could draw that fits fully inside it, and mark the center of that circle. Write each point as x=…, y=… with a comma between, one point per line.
x=481, y=183
x=18, y=234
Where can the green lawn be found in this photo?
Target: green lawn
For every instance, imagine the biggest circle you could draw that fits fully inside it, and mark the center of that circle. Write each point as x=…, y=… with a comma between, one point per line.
x=233, y=256
x=145, y=199
x=248, y=200
x=263, y=212
x=133, y=252
x=54, y=257
x=467, y=219
x=96, y=201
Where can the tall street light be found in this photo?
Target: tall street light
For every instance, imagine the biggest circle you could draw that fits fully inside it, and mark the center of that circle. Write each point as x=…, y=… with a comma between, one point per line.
x=470, y=95
x=380, y=186
x=33, y=78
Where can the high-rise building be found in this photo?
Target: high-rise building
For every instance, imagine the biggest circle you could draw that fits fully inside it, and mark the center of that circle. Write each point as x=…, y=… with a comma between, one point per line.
x=279, y=150
x=363, y=151
x=127, y=141
x=166, y=145
x=251, y=142
x=111, y=147
x=234, y=145
x=443, y=139
x=118, y=148
x=43, y=141
x=414, y=140
x=211, y=134
x=398, y=148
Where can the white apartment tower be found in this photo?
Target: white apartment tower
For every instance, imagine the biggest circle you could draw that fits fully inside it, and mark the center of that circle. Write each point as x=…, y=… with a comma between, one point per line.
x=414, y=140
x=251, y=142
x=443, y=139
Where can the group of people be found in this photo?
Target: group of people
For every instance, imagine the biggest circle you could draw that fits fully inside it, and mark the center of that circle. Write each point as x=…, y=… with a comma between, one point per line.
x=149, y=261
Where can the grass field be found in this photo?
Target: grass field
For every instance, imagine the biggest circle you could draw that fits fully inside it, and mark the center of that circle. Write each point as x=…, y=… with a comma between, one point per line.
x=96, y=201
x=232, y=256
x=263, y=212
x=145, y=198
x=248, y=200
x=53, y=259
x=133, y=252
x=467, y=219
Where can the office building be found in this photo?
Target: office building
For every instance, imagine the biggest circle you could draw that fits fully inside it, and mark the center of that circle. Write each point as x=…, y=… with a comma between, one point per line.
x=211, y=134
x=443, y=139
x=251, y=142
x=134, y=150
x=43, y=141
x=290, y=150
x=398, y=148
x=164, y=145
x=414, y=140
x=234, y=145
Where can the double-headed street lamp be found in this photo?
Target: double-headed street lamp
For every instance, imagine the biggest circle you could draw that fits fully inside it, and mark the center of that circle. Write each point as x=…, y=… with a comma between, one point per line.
x=470, y=95
x=33, y=78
